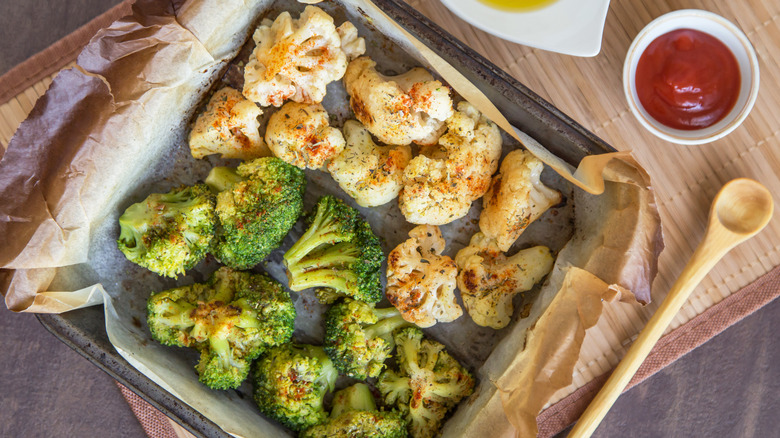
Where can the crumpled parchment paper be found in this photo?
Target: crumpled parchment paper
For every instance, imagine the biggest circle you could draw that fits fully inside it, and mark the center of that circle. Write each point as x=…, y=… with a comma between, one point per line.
x=113, y=129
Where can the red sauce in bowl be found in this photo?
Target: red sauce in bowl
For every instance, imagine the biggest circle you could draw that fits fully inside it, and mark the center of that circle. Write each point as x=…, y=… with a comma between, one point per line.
x=687, y=79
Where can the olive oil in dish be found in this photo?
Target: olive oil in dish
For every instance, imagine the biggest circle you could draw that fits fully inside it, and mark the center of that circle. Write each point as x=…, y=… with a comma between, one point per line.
x=518, y=5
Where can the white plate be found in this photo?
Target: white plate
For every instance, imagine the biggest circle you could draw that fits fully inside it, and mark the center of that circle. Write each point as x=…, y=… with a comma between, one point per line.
x=571, y=27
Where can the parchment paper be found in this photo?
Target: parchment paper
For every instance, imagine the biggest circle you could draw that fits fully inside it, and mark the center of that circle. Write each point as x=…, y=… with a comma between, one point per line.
x=113, y=130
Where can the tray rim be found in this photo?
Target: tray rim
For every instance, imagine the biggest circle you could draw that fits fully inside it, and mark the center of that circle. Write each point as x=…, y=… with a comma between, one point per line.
x=110, y=362
x=472, y=56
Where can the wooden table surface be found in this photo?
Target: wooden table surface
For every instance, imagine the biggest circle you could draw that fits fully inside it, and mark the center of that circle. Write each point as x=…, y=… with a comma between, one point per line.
x=727, y=388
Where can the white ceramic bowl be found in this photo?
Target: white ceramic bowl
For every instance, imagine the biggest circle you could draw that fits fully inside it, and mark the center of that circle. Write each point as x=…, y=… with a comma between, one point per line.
x=571, y=27
x=728, y=34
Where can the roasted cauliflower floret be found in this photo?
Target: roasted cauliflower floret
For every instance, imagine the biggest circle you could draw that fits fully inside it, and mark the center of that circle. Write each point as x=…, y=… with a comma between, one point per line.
x=421, y=281
x=401, y=109
x=368, y=172
x=488, y=279
x=228, y=127
x=297, y=59
x=442, y=182
x=472, y=145
x=352, y=45
x=430, y=195
x=516, y=198
x=300, y=135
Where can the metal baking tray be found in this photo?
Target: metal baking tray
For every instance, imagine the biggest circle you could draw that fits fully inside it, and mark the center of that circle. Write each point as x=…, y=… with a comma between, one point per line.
x=84, y=330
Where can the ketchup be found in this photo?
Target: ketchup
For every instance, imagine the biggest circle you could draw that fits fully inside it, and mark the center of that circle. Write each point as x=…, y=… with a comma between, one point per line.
x=687, y=79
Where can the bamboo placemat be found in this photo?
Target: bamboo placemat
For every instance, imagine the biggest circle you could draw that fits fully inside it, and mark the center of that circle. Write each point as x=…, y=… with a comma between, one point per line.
x=590, y=91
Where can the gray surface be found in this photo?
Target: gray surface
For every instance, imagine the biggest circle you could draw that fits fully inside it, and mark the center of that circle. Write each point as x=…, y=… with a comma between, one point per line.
x=29, y=26
x=47, y=389
x=728, y=387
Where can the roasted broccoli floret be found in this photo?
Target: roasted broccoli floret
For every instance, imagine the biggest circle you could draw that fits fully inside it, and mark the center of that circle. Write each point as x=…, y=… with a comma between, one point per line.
x=428, y=383
x=257, y=204
x=231, y=320
x=338, y=251
x=355, y=415
x=290, y=383
x=359, y=337
x=169, y=233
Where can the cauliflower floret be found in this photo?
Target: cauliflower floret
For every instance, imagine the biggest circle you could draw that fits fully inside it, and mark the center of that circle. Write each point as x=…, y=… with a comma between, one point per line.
x=420, y=281
x=370, y=173
x=430, y=195
x=442, y=182
x=297, y=59
x=515, y=199
x=228, y=127
x=300, y=135
x=472, y=144
x=401, y=109
x=351, y=45
x=488, y=279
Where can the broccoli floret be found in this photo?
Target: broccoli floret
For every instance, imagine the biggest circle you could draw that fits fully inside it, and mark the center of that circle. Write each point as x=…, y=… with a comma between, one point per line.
x=354, y=414
x=358, y=337
x=290, y=382
x=338, y=251
x=169, y=233
x=429, y=382
x=231, y=320
x=257, y=204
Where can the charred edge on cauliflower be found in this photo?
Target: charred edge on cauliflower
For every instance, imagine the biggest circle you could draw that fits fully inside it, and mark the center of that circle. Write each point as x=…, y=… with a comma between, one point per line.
x=257, y=205
x=169, y=233
x=358, y=337
x=290, y=382
x=427, y=385
x=355, y=414
x=338, y=251
x=489, y=280
x=420, y=281
x=229, y=126
x=230, y=319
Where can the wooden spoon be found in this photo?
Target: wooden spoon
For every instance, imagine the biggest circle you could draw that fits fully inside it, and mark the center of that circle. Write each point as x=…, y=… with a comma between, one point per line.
x=739, y=211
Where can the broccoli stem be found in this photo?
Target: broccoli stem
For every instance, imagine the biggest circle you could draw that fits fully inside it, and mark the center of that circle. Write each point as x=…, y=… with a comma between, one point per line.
x=445, y=390
x=134, y=223
x=329, y=375
x=222, y=178
x=224, y=292
x=395, y=387
x=175, y=314
x=221, y=346
x=323, y=229
x=343, y=281
x=430, y=356
x=200, y=331
x=386, y=313
x=357, y=397
x=344, y=253
x=248, y=319
x=386, y=326
x=409, y=354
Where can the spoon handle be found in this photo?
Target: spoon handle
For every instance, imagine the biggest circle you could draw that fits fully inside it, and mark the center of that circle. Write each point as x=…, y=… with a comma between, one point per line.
x=715, y=245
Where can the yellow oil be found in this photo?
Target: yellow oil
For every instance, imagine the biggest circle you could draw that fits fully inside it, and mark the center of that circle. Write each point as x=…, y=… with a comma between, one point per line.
x=518, y=5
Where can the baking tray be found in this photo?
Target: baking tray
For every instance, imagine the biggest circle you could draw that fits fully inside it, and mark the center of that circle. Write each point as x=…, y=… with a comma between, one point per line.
x=84, y=330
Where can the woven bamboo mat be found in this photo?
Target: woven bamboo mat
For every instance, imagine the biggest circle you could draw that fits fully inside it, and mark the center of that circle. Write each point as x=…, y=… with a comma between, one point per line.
x=590, y=91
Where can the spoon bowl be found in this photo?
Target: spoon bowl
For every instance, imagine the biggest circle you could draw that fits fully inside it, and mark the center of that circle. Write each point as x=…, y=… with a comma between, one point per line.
x=743, y=206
